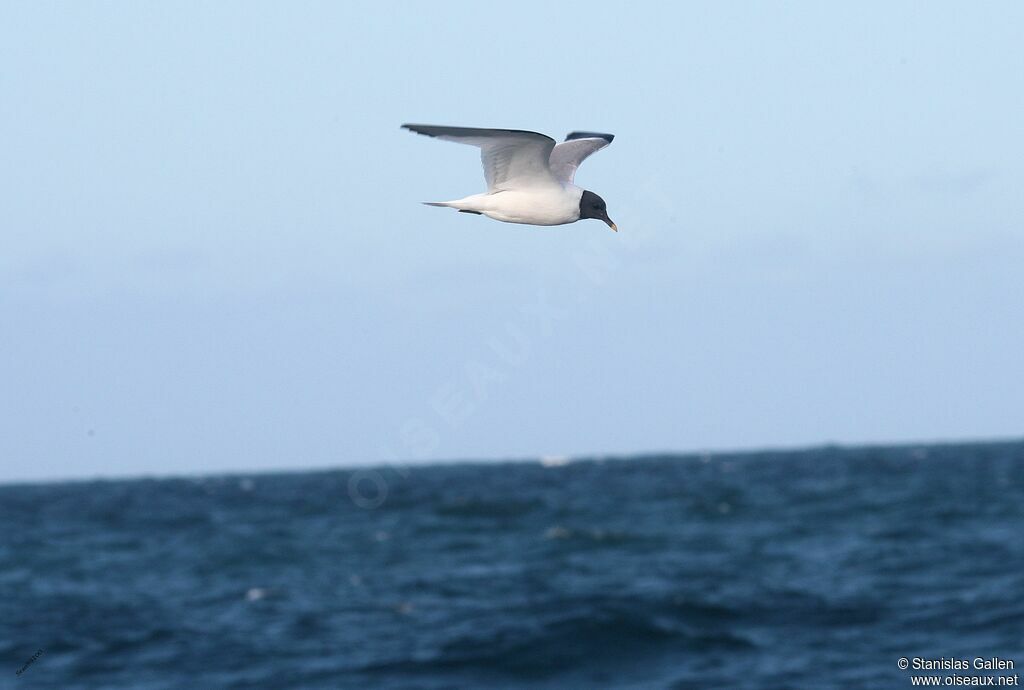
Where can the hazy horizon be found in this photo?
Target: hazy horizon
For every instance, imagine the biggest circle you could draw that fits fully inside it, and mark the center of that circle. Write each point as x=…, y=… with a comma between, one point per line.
x=395, y=471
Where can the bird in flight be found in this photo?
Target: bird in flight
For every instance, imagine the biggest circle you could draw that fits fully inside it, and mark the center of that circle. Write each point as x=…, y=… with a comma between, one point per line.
x=529, y=176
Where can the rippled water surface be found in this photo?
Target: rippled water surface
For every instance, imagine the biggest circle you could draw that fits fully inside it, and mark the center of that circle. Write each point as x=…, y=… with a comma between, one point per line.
x=808, y=569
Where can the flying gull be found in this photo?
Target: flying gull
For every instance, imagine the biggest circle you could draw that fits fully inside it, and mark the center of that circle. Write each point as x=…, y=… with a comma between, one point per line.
x=529, y=176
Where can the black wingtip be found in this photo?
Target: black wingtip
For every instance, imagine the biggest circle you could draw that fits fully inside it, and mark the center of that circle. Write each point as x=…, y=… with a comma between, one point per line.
x=590, y=135
x=419, y=129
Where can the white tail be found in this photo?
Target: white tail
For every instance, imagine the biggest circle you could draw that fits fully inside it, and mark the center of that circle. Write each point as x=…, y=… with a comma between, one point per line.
x=470, y=204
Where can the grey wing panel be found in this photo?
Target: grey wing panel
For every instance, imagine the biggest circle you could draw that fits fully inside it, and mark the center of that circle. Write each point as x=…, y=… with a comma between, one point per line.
x=454, y=133
x=510, y=157
x=566, y=157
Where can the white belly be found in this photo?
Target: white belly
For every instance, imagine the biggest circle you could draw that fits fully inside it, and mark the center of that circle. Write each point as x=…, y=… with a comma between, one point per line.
x=548, y=205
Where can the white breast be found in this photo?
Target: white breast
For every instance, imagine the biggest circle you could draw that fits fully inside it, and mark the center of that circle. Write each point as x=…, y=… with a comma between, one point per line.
x=542, y=205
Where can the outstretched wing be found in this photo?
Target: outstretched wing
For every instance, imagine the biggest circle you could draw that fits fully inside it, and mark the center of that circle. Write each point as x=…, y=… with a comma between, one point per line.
x=511, y=157
x=568, y=155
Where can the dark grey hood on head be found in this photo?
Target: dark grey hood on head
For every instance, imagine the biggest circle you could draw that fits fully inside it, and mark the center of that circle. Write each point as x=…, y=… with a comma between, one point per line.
x=593, y=206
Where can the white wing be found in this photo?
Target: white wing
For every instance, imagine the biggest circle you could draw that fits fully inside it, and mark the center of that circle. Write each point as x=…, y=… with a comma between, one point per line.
x=512, y=158
x=567, y=156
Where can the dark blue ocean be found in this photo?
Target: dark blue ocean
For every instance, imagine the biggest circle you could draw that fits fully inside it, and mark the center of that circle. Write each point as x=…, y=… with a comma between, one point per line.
x=809, y=569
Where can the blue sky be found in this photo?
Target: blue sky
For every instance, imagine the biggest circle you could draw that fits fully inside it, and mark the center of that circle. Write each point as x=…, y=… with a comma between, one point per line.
x=212, y=255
